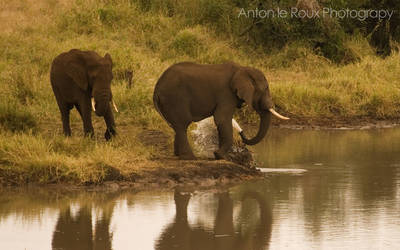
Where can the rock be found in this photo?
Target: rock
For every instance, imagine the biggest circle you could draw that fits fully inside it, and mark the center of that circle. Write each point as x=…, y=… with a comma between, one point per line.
x=241, y=155
x=206, y=142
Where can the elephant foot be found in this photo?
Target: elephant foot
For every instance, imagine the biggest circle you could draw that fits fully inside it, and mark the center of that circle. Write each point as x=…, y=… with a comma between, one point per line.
x=67, y=133
x=187, y=157
x=89, y=133
x=220, y=156
x=109, y=134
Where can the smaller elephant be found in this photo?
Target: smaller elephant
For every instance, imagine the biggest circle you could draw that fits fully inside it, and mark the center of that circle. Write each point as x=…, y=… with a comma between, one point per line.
x=82, y=79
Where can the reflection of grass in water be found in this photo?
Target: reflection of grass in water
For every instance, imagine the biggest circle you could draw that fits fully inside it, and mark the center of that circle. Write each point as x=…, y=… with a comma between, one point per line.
x=286, y=147
x=29, y=203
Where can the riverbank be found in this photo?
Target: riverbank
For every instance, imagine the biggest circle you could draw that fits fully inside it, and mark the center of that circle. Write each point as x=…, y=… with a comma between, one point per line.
x=167, y=173
x=141, y=161
x=335, y=123
x=144, y=160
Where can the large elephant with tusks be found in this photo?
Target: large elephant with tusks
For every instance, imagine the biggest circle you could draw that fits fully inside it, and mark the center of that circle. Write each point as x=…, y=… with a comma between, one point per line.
x=188, y=92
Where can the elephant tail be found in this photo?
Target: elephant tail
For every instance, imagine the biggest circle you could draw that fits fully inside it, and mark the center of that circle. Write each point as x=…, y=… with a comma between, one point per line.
x=157, y=105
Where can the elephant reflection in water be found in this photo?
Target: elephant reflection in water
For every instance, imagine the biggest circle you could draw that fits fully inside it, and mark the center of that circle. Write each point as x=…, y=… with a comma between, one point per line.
x=75, y=232
x=180, y=235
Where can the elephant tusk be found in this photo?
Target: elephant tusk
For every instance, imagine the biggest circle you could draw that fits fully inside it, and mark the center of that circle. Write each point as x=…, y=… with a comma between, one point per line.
x=278, y=115
x=236, y=126
x=93, y=105
x=115, y=106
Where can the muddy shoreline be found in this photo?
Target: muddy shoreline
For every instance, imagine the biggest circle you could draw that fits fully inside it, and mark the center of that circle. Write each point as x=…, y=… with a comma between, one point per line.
x=164, y=174
x=164, y=171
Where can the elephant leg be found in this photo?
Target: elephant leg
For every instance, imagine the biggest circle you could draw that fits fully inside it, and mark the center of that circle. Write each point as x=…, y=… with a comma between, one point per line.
x=223, y=121
x=110, y=123
x=85, y=111
x=181, y=143
x=65, y=120
x=64, y=110
x=176, y=148
x=179, y=117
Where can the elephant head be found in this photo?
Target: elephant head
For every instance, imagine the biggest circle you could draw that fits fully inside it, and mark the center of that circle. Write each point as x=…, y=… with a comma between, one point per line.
x=251, y=86
x=94, y=74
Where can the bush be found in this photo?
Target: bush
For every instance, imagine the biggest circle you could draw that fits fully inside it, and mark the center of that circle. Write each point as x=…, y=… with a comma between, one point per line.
x=16, y=118
x=187, y=42
x=109, y=16
x=21, y=91
x=81, y=21
x=210, y=11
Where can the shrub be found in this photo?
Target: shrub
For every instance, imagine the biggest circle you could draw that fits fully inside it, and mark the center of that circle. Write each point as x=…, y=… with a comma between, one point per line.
x=211, y=11
x=15, y=118
x=21, y=91
x=109, y=16
x=187, y=42
x=81, y=21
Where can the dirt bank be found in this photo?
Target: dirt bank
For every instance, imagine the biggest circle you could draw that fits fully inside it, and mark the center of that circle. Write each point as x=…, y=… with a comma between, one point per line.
x=166, y=173
x=161, y=169
x=171, y=173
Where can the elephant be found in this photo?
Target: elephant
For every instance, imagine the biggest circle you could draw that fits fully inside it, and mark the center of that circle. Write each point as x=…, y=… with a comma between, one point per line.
x=83, y=79
x=189, y=92
x=181, y=235
x=76, y=230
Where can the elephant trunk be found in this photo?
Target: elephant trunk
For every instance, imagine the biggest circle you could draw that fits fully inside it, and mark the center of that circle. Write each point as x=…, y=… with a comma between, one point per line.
x=101, y=105
x=265, y=119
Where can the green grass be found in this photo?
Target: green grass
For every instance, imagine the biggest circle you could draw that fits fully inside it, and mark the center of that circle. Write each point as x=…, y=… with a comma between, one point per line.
x=29, y=158
x=147, y=37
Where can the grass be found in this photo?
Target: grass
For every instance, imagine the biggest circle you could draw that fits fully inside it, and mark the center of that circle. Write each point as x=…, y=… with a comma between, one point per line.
x=30, y=158
x=146, y=37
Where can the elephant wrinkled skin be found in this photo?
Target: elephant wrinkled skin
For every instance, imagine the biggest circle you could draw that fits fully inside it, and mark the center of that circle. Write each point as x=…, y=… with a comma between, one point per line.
x=82, y=79
x=188, y=92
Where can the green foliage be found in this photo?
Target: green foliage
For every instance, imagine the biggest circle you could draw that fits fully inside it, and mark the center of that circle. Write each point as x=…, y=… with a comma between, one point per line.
x=186, y=42
x=373, y=104
x=15, y=117
x=21, y=91
x=81, y=21
x=212, y=12
x=108, y=15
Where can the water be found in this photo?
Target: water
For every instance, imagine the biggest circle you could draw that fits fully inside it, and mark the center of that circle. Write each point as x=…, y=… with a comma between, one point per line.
x=349, y=198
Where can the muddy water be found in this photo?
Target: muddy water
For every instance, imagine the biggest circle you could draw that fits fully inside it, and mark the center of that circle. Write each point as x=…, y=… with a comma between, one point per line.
x=349, y=198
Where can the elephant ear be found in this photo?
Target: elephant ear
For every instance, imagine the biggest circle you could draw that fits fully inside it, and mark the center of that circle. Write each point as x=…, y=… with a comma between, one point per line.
x=242, y=85
x=77, y=71
x=109, y=59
